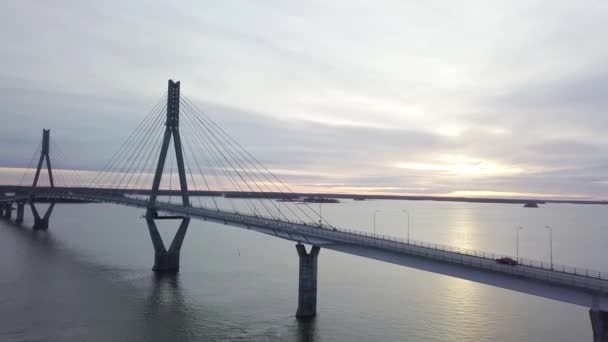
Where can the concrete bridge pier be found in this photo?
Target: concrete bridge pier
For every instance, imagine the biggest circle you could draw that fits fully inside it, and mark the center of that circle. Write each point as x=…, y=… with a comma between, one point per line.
x=166, y=261
x=307, y=285
x=8, y=210
x=41, y=223
x=20, y=212
x=599, y=324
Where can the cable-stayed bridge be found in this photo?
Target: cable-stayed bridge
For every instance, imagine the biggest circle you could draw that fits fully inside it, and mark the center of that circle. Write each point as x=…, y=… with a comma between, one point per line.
x=178, y=148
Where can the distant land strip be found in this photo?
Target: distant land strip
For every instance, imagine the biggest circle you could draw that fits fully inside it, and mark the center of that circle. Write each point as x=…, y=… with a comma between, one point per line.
x=295, y=195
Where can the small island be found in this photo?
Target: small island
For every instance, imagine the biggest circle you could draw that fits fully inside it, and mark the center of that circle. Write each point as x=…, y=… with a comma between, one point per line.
x=531, y=205
x=309, y=199
x=316, y=199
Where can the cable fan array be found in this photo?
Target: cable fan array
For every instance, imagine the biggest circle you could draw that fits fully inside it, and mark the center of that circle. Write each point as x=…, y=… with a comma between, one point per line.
x=64, y=175
x=221, y=173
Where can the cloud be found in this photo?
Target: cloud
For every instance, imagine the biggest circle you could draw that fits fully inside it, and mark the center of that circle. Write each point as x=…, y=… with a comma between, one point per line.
x=327, y=93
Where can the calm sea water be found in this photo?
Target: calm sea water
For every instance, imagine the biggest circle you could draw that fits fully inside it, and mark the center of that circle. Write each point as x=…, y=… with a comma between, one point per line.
x=89, y=278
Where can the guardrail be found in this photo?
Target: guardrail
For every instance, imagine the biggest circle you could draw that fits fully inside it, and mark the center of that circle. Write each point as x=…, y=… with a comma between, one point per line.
x=490, y=256
x=562, y=278
x=559, y=273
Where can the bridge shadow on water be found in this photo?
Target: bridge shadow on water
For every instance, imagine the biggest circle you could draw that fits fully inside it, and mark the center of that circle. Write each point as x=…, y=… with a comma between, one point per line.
x=166, y=314
x=99, y=302
x=76, y=299
x=306, y=331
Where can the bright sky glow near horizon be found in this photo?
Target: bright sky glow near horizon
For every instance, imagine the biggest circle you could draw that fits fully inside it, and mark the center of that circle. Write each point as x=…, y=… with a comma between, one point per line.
x=473, y=98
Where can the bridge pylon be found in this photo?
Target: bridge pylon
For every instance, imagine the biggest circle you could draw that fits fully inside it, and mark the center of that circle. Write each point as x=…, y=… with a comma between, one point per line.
x=42, y=222
x=307, y=282
x=167, y=261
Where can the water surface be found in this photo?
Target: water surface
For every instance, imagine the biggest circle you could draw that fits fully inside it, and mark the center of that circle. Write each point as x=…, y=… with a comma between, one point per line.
x=89, y=278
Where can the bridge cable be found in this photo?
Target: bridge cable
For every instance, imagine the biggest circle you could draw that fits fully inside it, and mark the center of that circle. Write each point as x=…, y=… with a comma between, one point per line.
x=117, y=171
x=135, y=151
x=72, y=170
x=199, y=144
x=229, y=138
x=193, y=141
x=153, y=151
x=59, y=169
x=242, y=175
x=106, y=176
x=171, y=154
x=218, y=136
x=70, y=173
x=202, y=145
x=247, y=169
x=195, y=187
x=155, y=154
x=138, y=154
x=102, y=174
x=30, y=164
x=255, y=161
x=235, y=170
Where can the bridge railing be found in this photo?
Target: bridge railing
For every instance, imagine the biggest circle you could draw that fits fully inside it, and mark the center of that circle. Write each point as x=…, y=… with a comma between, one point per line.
x=451, y=255
x=489, y=264
x=579, y=271
x=370, y=239
x=287, y=224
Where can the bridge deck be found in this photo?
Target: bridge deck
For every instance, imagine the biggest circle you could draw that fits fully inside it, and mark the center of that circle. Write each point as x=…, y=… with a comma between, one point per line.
x=569, y=284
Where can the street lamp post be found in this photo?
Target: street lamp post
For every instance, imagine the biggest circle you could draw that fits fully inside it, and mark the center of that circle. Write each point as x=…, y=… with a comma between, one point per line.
x=320, y=214
x=408, y=224
x=550, y=245
x=517, y=242
x=375, y=212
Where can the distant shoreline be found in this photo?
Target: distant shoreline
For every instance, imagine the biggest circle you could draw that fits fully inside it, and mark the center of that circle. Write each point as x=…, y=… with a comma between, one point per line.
x=294, y=195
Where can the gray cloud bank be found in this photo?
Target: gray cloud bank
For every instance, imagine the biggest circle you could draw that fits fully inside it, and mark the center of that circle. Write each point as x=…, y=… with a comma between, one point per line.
x=403, y=97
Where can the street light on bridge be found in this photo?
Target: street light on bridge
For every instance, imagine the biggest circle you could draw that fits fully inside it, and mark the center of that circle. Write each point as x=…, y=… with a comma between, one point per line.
x=320, y=213
x=408, y=224
x=517, y=242
x=550, y=245
x=375, y=212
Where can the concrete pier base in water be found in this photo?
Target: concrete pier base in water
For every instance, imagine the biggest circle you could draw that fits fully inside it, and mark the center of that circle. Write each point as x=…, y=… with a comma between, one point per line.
x=307, y=283
x=599, y=324
x=8, y=210
x=20, y=212
x=166, y=261
x=42, y=222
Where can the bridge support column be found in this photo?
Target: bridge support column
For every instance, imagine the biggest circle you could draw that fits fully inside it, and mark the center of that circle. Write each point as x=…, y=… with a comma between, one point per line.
x=307, y=284
x=8, y=210
x=20, y=212
x=41, y=223
x=599, y=324
x=166, y=261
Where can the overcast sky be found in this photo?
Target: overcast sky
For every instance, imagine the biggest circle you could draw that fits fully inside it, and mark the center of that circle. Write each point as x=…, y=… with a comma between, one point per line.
x=507, y=98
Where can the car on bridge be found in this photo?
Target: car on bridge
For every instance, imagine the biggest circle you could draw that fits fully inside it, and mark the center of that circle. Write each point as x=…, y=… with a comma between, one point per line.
x=506, y=261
